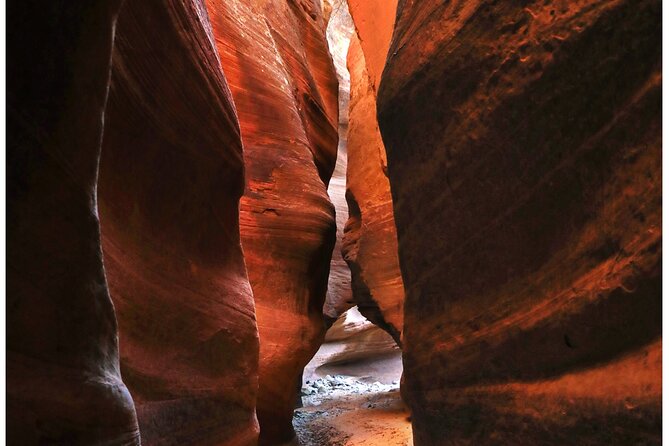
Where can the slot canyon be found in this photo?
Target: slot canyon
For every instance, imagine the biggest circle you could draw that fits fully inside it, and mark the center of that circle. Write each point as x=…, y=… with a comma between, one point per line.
x=334, y=222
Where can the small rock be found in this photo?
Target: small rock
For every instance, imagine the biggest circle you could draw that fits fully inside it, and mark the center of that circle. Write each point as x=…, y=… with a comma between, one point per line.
x=308, y=391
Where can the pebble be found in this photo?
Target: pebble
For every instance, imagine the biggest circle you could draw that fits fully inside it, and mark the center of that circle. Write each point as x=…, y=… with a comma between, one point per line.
x=316, y=390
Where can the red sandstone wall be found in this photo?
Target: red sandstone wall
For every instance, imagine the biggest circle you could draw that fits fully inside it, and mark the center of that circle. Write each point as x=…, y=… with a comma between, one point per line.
x=63, y=380
x=524, y=155
x=284, y=85
x=370, y=243
x=523, y=151
x=171, y=176
x=374, y=24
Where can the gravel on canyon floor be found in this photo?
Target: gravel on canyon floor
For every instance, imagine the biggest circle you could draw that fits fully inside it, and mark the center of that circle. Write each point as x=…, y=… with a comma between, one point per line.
x=342, y=410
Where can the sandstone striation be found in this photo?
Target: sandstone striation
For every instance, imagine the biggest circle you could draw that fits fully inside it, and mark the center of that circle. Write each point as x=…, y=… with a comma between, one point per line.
x=523, y=147
x=516, y=187
x=171, y=176
x=285, y=89
x=370, y=240
x=63, y=379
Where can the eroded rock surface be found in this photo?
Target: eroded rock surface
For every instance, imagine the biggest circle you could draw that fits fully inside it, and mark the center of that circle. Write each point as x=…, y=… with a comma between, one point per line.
x=285, y=89
x=63, y=379
x=370, y=240
x=171, y=177
x=351, y=338
x=524, y=155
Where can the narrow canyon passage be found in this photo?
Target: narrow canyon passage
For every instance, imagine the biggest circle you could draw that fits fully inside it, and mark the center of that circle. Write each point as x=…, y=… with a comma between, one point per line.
x=350, y=389
x=334, y=222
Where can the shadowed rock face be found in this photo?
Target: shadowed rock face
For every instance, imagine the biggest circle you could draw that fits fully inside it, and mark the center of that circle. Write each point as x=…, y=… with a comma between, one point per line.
x=524, y=156
x=63, y=380
x=285, y=90
x=171, y=176
x=370, y=241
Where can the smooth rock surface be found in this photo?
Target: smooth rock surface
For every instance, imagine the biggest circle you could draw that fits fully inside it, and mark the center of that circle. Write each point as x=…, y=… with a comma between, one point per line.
x=63, y=380
x=351, y=338
x=524, y=151
x=171, y=177
x=285, y=89
x=374, y=24
x=370, y=239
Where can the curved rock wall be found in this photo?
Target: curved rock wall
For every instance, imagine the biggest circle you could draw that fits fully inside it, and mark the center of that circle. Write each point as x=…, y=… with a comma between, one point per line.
x=523, y=147
x=285, y=89
x=370, y=240
x=524, y=156
x=171, y=176
x=63, y=379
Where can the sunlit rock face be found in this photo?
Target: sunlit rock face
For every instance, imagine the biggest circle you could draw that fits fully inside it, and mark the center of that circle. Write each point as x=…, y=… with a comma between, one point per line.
x=63, y=379
x=339, y=297
x=370, y=240
x=523, y=149
x=285, y=89
x=374, y=24
x=171, y=176
x=352, y=337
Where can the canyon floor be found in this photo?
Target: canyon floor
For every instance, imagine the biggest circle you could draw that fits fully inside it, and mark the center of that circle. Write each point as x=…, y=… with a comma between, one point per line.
x=353, y=404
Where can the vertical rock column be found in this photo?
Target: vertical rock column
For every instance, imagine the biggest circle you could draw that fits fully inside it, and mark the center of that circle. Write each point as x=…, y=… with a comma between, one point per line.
x=284, y=85
x=63, y=380
x=370, y=240
x=171, y=177
x=524, y=151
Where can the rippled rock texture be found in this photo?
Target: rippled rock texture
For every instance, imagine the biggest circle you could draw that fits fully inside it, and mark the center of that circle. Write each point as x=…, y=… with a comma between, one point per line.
x=370, y=240
x=285, y=89
x=171, y=176
x=524, y=155
x=63, y=379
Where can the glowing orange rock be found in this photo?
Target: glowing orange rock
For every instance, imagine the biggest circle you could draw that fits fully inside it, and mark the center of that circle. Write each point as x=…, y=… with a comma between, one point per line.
x=374, y=23
x=370, y=243
x=285, y=89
